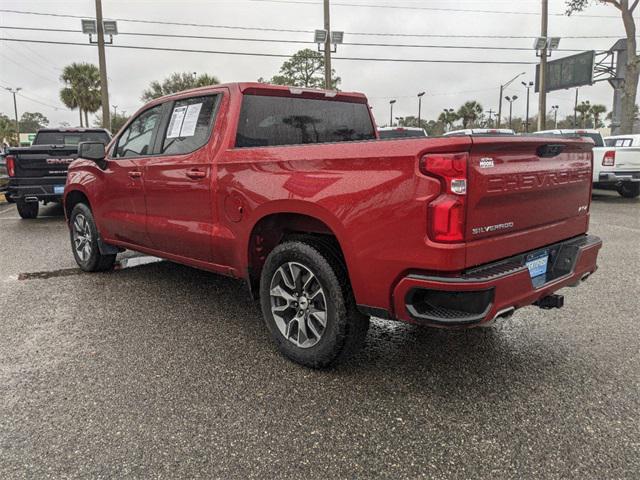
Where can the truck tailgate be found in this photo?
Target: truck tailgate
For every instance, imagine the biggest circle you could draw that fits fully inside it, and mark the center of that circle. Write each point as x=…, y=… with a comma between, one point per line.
x=44, y=162
x=520, y=185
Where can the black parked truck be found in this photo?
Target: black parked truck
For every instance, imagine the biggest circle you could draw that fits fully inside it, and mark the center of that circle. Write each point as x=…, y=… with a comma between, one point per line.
x=38, y=173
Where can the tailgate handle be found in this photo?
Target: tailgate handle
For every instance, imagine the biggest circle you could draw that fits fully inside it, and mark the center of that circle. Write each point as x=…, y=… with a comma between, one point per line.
x=550, y=150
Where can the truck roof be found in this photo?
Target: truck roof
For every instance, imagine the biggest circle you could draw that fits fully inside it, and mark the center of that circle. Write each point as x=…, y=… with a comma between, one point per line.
x=72, y=130
x=257, y=88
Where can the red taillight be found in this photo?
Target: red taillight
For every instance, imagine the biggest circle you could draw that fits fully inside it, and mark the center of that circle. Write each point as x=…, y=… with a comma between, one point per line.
x=609, y=159
x=447, y=213
x=11, y=165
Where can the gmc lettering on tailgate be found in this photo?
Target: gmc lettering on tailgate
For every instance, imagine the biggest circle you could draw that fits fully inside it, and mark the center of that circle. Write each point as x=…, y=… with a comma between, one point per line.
x=514, y=182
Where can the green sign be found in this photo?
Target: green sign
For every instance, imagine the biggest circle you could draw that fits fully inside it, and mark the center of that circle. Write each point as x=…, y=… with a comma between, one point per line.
x=568, y=72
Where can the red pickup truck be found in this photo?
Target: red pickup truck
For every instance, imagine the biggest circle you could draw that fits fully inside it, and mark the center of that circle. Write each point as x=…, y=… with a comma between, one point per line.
x=291, y=190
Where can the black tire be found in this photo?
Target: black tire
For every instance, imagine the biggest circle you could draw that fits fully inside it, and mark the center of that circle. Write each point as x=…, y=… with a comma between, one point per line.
x=346, y=328
x=89, y=257
x=27, y=210
x=629, y=190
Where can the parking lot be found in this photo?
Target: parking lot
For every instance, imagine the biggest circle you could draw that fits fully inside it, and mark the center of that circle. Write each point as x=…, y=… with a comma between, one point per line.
x=160, y=370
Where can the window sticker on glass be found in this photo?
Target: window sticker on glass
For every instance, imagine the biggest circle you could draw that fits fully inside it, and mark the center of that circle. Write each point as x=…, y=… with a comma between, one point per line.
x=175, y=124
x=190, y=120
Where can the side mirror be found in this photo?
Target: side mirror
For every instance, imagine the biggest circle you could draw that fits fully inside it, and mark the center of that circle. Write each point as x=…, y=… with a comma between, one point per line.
x=92, y=151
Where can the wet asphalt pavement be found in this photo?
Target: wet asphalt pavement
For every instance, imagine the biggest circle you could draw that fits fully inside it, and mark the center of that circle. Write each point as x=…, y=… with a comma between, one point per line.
x=162, y=371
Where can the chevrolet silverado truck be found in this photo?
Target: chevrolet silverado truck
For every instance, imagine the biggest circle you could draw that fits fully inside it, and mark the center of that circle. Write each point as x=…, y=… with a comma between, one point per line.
x=38, y=173
x=290, y=190
x=615, y=167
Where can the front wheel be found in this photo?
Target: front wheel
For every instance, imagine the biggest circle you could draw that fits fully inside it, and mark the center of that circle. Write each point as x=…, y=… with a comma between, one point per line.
x=84, y=241
x=629, y=190
x=27, y=210
x=308, y=306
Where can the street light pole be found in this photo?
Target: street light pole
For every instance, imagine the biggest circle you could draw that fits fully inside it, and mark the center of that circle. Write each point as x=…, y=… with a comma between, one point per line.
x=502, y=87
x=391, y=102
x=511, y=100
x=528, y=87
x=15, y=110
x=420, y=95
x=327, y=46
x=575, y=111
x=104, y=88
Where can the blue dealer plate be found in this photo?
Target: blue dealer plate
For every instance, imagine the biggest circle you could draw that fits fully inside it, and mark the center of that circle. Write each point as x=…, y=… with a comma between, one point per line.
x=537, y=263
x=58, y=189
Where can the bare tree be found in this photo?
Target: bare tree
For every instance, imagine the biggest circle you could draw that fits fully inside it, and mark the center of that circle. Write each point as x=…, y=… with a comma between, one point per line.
x=632, y=71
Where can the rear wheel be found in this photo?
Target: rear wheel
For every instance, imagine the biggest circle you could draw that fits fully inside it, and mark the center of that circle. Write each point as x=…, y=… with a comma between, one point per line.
x=84, y=241
x=308, y=305
x=27, y=209
x=629, y=190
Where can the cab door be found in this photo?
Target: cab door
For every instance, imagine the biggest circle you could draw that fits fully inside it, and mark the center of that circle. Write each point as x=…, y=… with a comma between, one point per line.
x=122, y=206
x=178, y=181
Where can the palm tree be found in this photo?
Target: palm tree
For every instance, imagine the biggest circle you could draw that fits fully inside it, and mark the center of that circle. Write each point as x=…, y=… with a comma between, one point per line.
x=81, y=89
x=597, y=110
x=584, y=109
x=447, y=117
x=469, y=113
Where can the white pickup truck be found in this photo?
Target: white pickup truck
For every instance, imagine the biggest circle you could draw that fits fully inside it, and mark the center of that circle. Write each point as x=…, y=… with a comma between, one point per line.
x=616, y=160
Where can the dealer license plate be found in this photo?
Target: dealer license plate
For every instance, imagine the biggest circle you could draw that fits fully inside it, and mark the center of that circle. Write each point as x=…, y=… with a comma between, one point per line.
x=537, y=263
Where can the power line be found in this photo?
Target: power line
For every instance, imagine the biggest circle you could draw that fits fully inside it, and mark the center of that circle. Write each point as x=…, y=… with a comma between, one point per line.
x=263, y=40
x=233, y=27
x=275, y=55
x=436, y=9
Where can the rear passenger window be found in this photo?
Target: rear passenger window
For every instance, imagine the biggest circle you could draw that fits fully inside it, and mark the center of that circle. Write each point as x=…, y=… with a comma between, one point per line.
x=268, y=121
x=189, y=125
x=136, y=140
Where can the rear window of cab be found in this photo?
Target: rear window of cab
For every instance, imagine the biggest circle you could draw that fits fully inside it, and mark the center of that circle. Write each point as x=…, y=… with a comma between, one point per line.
x=271, y=121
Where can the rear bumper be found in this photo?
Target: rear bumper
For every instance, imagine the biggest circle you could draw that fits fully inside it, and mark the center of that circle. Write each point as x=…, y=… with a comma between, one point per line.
x=43, y=189
x=615, y=178
x=481, y=294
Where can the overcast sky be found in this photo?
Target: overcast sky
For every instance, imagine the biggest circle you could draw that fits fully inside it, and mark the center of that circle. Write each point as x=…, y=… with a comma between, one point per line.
x=36, y=67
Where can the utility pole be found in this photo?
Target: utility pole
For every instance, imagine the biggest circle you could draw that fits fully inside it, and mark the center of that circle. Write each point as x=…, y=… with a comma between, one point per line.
x=555, y=114
x=542, y=107
x=327, y=47
x=490, y=113
x=106, y=114
x=15, y=110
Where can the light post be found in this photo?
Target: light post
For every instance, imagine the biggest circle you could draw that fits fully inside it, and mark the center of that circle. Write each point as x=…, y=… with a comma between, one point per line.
x=15, y=110
x=528, y=87
x=502, y=87
x=391, y=102
x=420, y=95
x=555, y=114
x=511, y=100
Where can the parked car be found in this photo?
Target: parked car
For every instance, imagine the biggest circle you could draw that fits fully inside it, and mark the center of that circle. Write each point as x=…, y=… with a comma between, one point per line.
x=290, y=190
x=614, y=168
x=385, y=133
x=38, y=173
x=493, y=132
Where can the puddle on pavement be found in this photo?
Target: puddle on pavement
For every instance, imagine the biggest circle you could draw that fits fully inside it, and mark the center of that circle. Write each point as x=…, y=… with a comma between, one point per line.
x=121, y=264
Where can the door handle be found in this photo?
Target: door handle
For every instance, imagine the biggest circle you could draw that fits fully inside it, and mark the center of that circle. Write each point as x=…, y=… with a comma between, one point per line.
x=134, y=174
x=195, y=174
